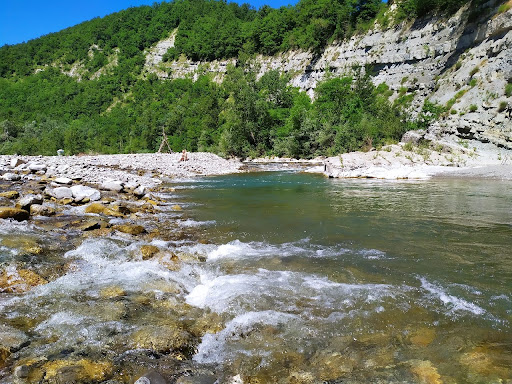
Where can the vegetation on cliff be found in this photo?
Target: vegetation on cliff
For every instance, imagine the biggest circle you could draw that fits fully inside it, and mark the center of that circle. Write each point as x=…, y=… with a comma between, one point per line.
x=117, y=107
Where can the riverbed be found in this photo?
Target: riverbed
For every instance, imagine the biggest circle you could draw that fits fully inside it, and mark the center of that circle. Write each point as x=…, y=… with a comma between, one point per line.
x=276, y=277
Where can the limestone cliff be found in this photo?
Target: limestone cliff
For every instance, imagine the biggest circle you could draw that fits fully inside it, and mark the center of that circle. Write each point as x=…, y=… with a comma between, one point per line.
x=463, y=62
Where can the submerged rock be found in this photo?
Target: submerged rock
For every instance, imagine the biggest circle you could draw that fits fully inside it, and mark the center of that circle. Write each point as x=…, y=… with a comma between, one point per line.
x=77, y=371
x=13, y=213
x=162, y=339
x=16, y=281
x=148, y=251
x=425, y=372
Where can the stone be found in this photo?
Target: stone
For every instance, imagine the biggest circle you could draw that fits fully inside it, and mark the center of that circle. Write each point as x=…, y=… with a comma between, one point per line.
x=130, y=229
x=66, y=201
x=16, y=162
x=37, y=167
x=99, y=208
x=151, y=377
x=21, y=371
x=113, y=186
x=90, y=225
x=63, y=180
x=176, y=207
x=112, y=292
x=77, y=371
x=18, y=281
x=162, y=339
x=81, y=192
x=148, y=251
x=61, y=193
x=11, y=176
x=41, y=210
x=10, y=194
x=13, y=213
x=26, y=201
x=140, y=191
x=423, y=337
x=196, y=379
x=11, y=338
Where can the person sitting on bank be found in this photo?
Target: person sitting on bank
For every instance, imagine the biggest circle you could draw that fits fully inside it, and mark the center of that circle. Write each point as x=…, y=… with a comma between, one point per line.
x=184, y=156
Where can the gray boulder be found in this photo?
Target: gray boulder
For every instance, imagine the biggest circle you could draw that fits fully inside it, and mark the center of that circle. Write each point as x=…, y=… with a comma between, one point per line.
x=80, y=192
x=61, y=193
x=15, y=162
x=37, y=167
x=114, y=186
x=26, y=201
x=140, y=191
x=63, y=180
x=11, y=176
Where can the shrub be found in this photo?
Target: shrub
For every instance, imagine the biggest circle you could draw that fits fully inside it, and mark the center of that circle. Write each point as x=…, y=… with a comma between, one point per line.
x=504, y=8
x=474, y=71
x=453, y=112
x=458, y=65
x=472, y=108
x=508, y=90
x=502, y=106
x=472, y=83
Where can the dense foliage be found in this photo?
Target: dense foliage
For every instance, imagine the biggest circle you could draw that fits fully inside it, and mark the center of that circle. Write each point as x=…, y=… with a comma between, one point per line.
x=117, y=107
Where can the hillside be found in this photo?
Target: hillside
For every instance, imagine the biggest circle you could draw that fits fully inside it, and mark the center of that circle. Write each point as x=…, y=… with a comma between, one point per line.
x=231, y=79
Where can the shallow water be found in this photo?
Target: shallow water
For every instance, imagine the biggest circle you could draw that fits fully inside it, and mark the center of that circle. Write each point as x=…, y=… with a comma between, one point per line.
x=286, y=277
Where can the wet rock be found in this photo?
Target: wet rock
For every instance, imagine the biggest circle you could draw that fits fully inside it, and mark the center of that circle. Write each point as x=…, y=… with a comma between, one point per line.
x=197, y=379
x=207, y=323
x=63, y=181
x=37, y=167
x=151, y=377
x=16, y=162
x=11, y=176
x=26, y=201
x=148, y=251
x=76, y=371
x=112, y=292
x=332, y=365
x=4, y=355
x=90, y=225
x=10, y=194
x=113, y=186
x=99, y=208
x=162, y=339
x=41, y=210
x=176, y=207
x=16, y=281
x=130, y=229
x=423, y=337
x=425, y=372
x=11, y=338
x=81, y=192
x=21, y=371
x=13, y=213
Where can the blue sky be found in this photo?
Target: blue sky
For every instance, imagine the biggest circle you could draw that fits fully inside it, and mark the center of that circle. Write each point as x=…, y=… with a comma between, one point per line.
x=23, y=20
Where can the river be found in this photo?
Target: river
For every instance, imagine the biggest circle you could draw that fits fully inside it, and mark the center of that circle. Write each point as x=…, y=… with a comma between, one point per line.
x=298, y=278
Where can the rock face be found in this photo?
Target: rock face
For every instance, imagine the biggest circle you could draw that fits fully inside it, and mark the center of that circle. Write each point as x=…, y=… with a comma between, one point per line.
x=463, y=62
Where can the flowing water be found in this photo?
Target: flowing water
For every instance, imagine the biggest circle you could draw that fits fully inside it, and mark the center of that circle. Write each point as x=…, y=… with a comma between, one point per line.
x=289, y=278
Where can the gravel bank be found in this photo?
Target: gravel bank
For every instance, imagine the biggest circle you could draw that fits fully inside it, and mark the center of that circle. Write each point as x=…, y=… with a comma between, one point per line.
x=144, y=169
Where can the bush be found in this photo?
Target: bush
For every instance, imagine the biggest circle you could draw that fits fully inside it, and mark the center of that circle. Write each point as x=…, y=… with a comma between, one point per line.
x=508, y=90
x=473, y=108
x=502, y=106
x=453, y=112
x=504, y=8
x=474, y=71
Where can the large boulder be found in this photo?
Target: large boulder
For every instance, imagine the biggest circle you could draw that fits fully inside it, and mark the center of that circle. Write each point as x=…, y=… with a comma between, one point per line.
x=13, y=213
x=26, y=201
x=80, y=192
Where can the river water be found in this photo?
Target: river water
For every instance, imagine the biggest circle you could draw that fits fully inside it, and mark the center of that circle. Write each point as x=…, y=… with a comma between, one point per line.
x=299, y=278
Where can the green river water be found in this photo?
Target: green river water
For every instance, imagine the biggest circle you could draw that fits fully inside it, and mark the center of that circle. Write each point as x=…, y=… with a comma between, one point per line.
x=298, y=278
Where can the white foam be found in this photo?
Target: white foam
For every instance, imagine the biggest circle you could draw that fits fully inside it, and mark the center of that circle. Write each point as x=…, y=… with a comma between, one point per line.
x=454, y=303
x=193, y=223
x=237, y=249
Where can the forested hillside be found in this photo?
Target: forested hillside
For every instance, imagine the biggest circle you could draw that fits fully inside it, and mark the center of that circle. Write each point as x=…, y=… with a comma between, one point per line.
x=114, y=106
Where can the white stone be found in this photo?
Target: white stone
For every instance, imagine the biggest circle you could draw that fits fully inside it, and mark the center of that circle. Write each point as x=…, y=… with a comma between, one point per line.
x=35, y=167
x=16, y=161
x=11, y=176
x=80, y=192
x=63, y=180
x=114, y=186
x=61, y=193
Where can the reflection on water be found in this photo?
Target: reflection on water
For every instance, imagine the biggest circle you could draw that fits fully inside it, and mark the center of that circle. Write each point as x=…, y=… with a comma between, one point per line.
x=289, y=278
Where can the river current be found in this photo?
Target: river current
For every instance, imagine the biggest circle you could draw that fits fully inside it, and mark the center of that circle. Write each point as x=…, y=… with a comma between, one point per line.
x=299, y=278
